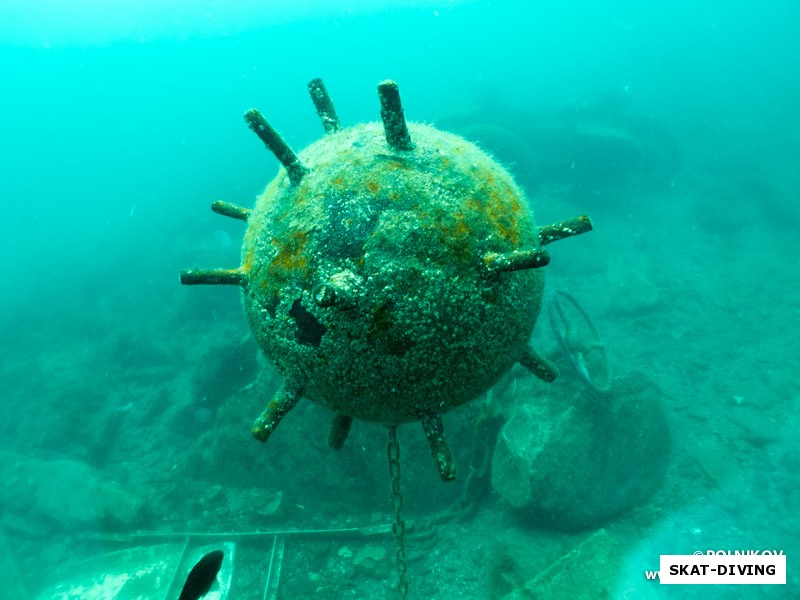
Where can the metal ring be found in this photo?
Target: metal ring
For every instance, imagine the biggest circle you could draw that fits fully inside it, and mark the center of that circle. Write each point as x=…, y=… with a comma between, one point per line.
x=576, y=351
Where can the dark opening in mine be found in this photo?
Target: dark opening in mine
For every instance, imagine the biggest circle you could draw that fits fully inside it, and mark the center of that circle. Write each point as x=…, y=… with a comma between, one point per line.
x=310, y=330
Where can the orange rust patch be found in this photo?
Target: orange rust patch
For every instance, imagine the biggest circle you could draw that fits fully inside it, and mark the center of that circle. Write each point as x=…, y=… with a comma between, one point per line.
x=291, y=261
x=504, y=218
x=338, y=183
x=461, y=228
x=248, y=260
x=462, y=238
x=394, y=164
x=303, y=193
x=453, y=232
x=373, y=187
x=473, y=205
x=500, y=207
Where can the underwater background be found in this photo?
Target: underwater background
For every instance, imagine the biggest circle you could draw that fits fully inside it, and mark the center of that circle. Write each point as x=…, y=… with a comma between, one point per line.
x=127, y=399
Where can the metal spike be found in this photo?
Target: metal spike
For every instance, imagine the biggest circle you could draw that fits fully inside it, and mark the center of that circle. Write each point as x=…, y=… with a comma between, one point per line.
x=564, y=229
x=514, y=261
x=538, y=365
x=276, y=144
x=324, y=105
x=394, y=123
x=226, y=209
x=434, y=431
x=340, y=428
x=213, y=277
x=285, y=399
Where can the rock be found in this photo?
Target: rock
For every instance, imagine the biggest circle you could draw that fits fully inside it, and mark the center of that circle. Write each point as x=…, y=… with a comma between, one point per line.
x=630, y=292
x=577, y=467
x=222, y=371
x=587, y=572
x=369, y=561
x=65, y=493
x=266, y=504
x=24, y=526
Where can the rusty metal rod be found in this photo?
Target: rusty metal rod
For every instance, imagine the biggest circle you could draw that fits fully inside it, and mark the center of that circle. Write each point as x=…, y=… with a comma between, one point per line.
x=538, y=365
x=340, y=428
x=564, y=229
x=285, y=399
x=213, y=277
x=434, y=431
x=276, y=144
x=394, y=122
x=514, y=261
x=226, y=209
x=324, y=105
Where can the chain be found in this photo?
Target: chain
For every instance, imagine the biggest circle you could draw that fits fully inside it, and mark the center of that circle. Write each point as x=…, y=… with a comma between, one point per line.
x=399, y=527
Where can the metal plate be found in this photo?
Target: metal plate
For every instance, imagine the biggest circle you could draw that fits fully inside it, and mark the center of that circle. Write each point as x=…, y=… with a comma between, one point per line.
x=142, y=573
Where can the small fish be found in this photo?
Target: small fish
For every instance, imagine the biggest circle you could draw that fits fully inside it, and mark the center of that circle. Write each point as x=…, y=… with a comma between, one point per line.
x=202, y=575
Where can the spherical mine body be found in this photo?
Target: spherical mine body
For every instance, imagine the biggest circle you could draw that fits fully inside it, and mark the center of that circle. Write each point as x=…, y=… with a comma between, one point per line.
x=367, y=279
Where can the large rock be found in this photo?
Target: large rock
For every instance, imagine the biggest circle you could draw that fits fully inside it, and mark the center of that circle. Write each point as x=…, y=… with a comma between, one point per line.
x=62, y=494
x=587, y=572
x=630, y=293
x=575, y=459
x=223, y=370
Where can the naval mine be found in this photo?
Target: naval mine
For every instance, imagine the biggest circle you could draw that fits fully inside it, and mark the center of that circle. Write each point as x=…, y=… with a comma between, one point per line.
x=391, y=272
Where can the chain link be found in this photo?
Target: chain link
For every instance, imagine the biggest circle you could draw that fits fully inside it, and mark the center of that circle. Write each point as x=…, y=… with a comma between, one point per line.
x=399, y=526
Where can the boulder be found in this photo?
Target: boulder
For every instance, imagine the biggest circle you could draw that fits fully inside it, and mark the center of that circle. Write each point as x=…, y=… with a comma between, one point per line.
x=592, y=570
x=63, y=493
x=577, y=458
x=370, y=561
